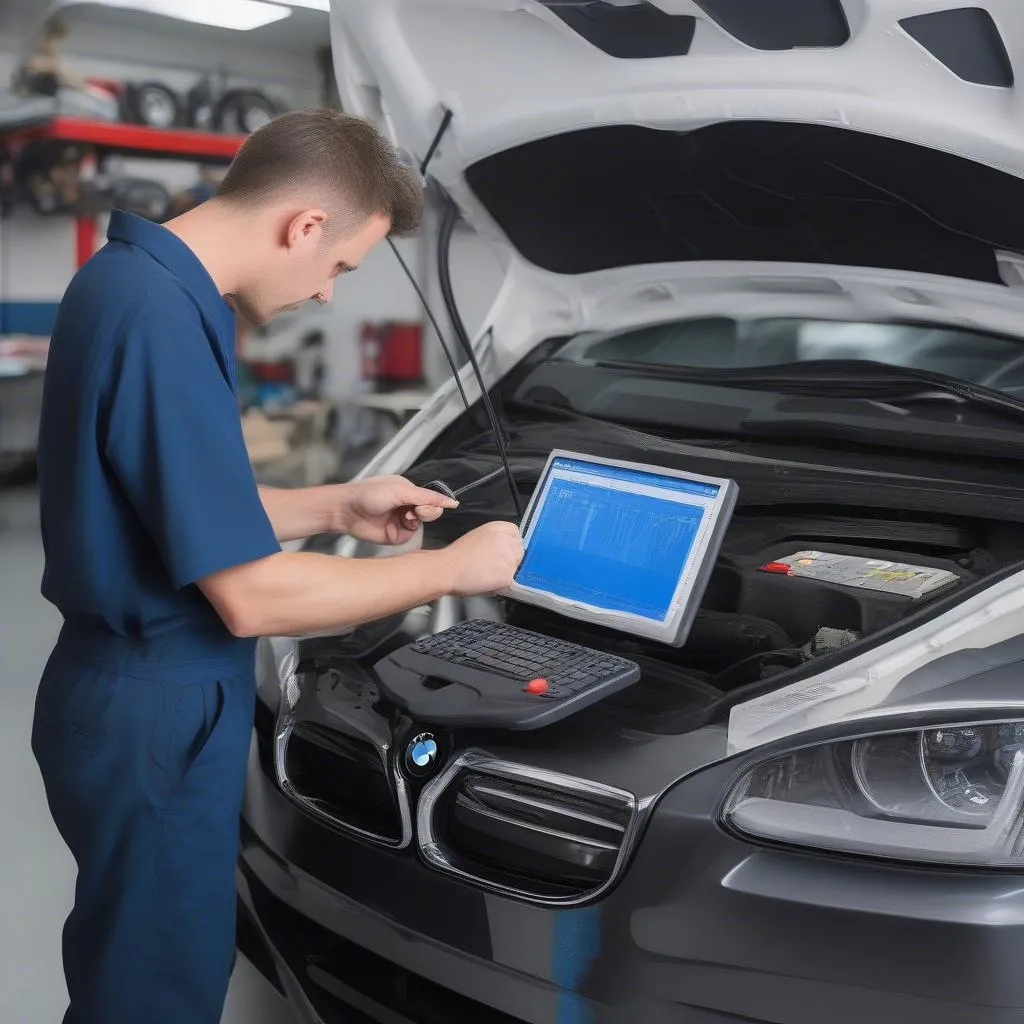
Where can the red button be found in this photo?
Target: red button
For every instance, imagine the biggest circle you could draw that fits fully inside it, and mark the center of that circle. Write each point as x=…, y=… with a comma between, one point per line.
x=537, y=686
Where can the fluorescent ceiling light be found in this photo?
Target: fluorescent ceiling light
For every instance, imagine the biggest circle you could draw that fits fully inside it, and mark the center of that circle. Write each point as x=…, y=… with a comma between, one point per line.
x=313, y=5
x=241, y=15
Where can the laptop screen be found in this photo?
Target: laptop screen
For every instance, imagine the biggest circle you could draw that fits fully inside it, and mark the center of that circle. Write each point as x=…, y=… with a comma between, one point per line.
x=625, y=541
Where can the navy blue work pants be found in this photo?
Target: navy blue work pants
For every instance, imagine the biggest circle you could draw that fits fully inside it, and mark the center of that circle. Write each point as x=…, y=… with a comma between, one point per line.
x=143, y=748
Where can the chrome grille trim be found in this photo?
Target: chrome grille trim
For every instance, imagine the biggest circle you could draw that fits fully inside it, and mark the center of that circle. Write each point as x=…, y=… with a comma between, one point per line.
x=478, y=761
x=283, y=733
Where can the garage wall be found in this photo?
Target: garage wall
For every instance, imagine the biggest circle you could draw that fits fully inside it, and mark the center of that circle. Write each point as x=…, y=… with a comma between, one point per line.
x=37, y=253
x=129, y=44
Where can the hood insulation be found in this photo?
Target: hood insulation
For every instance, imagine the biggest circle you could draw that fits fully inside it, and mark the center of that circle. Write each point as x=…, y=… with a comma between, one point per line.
x=614, y=196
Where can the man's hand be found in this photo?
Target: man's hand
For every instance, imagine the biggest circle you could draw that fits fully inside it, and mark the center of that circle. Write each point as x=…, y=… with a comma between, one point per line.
x=485, y=560
x=388, y=509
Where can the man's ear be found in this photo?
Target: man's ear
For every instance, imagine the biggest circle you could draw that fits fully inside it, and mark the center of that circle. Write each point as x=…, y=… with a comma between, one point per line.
x=305, y=227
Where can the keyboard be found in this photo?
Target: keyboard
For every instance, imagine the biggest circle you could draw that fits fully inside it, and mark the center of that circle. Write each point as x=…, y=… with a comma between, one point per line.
x=495, y=675
x=522, y=655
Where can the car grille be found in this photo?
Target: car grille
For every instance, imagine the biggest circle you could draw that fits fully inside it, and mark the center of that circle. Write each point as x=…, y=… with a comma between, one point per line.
x=344, y=781
x=528, y=833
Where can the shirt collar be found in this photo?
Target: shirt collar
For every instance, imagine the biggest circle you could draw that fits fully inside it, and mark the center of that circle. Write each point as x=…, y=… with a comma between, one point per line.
x=175, y=256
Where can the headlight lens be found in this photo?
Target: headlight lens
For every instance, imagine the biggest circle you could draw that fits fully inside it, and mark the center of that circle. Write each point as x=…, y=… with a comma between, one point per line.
x=950, y=796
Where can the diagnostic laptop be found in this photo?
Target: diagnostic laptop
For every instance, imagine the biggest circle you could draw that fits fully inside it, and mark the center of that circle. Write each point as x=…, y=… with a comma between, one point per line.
x=624, y=545
x=627, y=546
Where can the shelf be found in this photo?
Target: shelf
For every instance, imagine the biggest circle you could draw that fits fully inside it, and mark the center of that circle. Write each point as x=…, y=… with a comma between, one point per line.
x=133, y=139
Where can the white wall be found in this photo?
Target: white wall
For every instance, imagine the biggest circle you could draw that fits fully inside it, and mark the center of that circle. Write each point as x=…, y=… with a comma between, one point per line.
x=37, y=256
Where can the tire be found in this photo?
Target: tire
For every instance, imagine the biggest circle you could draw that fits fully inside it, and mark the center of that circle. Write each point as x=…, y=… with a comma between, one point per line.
x=242, y=111
x=203, y=117
x=153, y=104
x=201, y=106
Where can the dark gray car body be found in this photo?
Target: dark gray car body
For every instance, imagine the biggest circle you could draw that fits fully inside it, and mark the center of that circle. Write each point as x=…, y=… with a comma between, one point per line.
x=698, y=926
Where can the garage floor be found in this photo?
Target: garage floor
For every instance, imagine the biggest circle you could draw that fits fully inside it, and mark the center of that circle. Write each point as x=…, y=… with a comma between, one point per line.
x=39, y=874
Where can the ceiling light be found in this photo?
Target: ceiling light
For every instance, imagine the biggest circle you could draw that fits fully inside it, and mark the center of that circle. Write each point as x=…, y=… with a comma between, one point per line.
x=241, y=15
x=312, y=5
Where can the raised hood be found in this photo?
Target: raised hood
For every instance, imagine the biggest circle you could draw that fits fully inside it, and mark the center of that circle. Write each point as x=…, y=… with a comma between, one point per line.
x=606, y=133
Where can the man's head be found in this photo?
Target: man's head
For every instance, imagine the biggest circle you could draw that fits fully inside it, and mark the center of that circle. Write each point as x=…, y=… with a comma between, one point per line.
x=326, y=187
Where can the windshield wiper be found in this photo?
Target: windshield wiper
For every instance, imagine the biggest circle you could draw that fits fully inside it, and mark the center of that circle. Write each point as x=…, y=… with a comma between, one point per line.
x=834, y=378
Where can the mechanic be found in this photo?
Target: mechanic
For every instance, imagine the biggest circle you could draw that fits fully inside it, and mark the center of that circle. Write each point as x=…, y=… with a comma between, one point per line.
x=165, y=558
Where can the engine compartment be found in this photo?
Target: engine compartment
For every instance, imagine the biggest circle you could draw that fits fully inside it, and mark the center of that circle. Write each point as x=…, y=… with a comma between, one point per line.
x=754, y=625
x=756, y=630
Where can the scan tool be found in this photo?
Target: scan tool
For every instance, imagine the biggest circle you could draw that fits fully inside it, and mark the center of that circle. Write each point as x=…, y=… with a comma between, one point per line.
x=623, y=545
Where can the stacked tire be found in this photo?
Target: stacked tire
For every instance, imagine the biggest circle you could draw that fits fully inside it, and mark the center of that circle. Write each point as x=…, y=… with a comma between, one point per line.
x=237, y=112
x=152, y=104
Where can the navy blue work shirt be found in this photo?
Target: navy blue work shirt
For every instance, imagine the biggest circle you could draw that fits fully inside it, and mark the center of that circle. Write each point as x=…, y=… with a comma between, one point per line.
x=145, y=481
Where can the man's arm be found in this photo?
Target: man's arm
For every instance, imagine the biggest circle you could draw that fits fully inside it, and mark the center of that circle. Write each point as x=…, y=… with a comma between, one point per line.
x=291, y=593
x=384, y=510
x=304, y=511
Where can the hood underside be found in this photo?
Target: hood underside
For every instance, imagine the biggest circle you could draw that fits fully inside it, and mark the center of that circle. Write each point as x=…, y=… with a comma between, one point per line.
x=592, y=134
x=624, y=195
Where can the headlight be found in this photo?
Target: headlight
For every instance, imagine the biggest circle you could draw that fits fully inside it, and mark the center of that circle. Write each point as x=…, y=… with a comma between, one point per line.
x=950, y=796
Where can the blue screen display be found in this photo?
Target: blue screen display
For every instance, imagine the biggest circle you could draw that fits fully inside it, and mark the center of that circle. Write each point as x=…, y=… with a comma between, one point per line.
x=613, y=549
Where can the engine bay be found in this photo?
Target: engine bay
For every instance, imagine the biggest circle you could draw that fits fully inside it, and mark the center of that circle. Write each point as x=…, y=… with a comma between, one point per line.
x=756, y=629
x=754, y=625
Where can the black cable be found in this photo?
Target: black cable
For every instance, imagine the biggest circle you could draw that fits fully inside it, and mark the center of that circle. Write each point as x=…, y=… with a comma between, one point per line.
x=444, y=238
x=433, y=320
x=444, y=273
x=446, y=120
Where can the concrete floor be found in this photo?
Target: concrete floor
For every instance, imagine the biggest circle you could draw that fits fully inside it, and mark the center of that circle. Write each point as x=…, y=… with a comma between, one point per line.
x=39, y=873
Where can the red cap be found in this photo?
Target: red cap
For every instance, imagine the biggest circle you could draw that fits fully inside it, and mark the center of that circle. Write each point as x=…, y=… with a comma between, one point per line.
x=537, y=686
x=780, y=567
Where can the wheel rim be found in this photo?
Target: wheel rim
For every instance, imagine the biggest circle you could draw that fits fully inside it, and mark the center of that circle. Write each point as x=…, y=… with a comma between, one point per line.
x=257, y=118
x=157, y=109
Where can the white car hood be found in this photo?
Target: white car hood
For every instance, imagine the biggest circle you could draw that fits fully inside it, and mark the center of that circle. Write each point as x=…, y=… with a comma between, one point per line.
x=515, y=71
x=512, y=70
x=771, y=148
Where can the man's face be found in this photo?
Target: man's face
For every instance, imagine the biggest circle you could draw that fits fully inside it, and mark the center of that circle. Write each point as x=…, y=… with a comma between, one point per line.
x=306, y=266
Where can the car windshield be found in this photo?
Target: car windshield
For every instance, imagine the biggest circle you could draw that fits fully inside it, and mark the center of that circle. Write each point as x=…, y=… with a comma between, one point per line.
x=723, y=343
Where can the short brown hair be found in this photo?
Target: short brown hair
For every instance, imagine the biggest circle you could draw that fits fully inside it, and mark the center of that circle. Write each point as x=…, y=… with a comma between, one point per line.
x=321, y=153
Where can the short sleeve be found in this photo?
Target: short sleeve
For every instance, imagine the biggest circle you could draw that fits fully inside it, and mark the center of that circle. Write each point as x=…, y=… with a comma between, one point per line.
x=174, y=441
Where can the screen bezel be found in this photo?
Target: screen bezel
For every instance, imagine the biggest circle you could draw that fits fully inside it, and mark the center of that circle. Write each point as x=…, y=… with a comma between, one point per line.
x=674, y=629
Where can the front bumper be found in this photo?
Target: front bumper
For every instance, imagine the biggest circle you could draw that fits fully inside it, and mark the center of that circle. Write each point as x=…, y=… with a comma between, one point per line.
x=326, y=977
x=703, y=929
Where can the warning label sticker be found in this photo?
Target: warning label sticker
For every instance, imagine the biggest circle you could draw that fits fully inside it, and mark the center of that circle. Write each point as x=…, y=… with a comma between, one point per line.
x=912, y=581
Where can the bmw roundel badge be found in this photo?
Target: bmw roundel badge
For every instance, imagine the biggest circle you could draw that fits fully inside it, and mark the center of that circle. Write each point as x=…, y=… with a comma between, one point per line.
x=421, y=755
